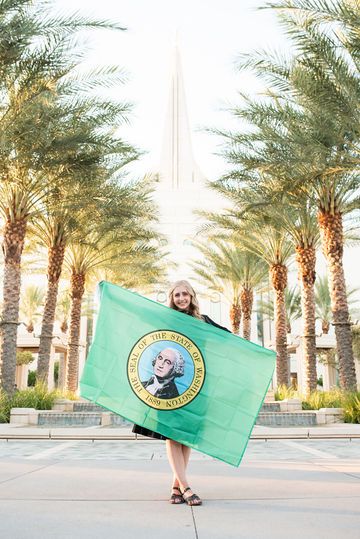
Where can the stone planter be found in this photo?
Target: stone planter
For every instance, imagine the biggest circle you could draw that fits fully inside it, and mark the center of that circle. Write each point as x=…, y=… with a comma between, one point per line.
x=326, y=416
x=24, y=416
x=290, y=405
x=63, y=405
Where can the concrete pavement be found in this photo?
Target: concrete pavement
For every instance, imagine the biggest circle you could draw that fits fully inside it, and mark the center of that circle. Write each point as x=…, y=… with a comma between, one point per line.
x=64, y=489
x=16, y=431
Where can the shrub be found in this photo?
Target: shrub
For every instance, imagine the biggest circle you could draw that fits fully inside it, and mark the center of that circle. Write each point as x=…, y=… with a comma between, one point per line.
x=37, y=397
x=70, y=395
x=4, y=407
x=349, y=401
x=283, y=392
x=351, y=405
x=56, y=373
x=336, y=398
x=323, y=399
x=24, y=358
x=31, y=381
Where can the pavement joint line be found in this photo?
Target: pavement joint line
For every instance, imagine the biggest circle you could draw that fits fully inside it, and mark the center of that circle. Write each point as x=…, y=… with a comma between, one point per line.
x=56, y=449
x=330, y=467
x=51, y=450
x=194, y=521
x=27, y=473
x=312, y=451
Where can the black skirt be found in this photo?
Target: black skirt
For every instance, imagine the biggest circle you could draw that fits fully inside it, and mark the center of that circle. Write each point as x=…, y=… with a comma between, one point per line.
x=147, y=432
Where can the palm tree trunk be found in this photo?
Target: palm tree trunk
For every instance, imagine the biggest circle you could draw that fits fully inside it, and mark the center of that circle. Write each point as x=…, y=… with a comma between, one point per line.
x=77, y=292
x=325, y=327
x=235, y=317
x=246, y=298
x=306, y=259
x=278, y=276
x=56, y=258
x=332, y=242
x=13, y=243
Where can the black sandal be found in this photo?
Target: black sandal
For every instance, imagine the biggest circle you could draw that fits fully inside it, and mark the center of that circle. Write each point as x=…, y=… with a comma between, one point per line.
x=191, y=500
x=176, y=498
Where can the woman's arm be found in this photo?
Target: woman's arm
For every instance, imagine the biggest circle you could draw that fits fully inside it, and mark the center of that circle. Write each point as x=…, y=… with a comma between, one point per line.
x=208, y=320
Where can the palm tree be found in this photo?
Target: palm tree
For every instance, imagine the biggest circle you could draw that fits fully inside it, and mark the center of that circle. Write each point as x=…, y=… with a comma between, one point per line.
x=119, y=238
x=31, y=300
x=272, y=245
x=84, y=150
x=53, y=234
x=324, y=314
x=259, y=233
x=84, y=259
x=320, y=87
x=37, y=55
x=299, y=220
x=16, y=206
x=236, y=270
x=323, y=302
x=292, y=307
x=225, y=283
x=296, y=216
x=63, y=310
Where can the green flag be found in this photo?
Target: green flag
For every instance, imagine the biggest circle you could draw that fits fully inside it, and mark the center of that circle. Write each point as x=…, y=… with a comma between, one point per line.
x=175, y=374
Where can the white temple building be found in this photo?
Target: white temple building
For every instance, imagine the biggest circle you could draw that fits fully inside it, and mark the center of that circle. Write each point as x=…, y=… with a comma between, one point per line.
x=181, y=190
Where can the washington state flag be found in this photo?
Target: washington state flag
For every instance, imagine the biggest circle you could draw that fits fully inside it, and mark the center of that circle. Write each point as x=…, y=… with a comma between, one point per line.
x=175, y=374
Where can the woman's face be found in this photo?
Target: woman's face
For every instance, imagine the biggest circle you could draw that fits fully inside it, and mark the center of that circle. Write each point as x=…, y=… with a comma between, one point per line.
x=181, y=298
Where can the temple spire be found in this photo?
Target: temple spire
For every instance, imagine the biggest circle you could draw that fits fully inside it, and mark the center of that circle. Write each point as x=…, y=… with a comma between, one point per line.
x=177, y=166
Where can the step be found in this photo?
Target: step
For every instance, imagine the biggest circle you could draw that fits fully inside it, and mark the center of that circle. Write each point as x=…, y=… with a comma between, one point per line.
x=78, y=419
x=89, y=419
x=87, y=407
x=270, y=407
x=69, y=419
x=273, y=406
x=286, y=419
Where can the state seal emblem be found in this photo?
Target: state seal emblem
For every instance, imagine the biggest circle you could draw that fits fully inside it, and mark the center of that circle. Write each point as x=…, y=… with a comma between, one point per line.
x=166, y=369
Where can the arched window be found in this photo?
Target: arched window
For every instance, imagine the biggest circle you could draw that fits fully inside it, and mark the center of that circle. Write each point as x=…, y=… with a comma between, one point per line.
x=215, y=306
x=161, y=297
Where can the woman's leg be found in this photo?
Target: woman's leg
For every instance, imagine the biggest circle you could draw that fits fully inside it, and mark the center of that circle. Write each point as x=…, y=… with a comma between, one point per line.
x=178, y=462
x=186, y=454
x=178, y=456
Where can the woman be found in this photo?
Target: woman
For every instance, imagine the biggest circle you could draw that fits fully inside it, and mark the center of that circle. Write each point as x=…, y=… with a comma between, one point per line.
x=182, y=298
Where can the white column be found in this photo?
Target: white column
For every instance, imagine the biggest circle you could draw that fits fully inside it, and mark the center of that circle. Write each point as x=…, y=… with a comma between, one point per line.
x=21, y=376
x=330, y=376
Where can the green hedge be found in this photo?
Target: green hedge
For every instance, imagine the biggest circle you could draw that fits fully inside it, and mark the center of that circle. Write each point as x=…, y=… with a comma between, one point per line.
x=37, y=397
x=336, y=398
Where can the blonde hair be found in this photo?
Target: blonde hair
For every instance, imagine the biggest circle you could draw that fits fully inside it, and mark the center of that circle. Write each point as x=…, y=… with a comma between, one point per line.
x=194, y=309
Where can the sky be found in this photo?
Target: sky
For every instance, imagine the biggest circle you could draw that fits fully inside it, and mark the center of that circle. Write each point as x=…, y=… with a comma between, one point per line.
x=211, y=34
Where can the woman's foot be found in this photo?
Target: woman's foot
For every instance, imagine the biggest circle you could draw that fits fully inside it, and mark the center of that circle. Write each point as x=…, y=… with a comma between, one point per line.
x=190, y=498
x=176, y=496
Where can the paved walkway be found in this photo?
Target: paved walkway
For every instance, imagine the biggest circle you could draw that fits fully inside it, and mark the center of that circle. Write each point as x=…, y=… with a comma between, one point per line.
x=118, y=489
